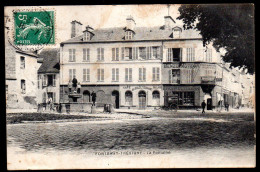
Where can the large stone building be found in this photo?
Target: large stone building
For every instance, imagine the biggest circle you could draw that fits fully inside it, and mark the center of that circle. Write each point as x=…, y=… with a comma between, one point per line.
x=143, y=67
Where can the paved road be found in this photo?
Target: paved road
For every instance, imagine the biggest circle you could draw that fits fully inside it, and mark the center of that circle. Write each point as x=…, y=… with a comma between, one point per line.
x=191, y=132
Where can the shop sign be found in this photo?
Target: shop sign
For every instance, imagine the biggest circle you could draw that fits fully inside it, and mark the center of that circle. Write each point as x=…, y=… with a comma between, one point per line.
x=208, y=80
x=142, y=87
x=181, y=88
x=172, y=65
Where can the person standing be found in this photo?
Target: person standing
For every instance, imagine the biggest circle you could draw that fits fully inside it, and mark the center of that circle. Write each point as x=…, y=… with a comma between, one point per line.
x=203, y=105
x=93, y=95
x=78, y=88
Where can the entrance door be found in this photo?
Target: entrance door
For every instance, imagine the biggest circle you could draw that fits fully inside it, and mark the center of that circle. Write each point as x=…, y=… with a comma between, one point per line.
x=115, y=99
x=209, y=104
x=142, y=99
x=86, y=96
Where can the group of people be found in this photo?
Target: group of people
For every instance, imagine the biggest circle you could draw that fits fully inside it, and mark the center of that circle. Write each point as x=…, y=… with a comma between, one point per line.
x=203, y=106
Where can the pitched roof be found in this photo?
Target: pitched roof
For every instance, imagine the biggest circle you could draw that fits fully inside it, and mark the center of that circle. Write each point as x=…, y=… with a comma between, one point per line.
x=50, y=60
x=141, y=33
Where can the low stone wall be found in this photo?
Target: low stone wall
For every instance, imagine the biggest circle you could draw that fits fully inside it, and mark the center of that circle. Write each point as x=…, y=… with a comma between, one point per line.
x=76, y=107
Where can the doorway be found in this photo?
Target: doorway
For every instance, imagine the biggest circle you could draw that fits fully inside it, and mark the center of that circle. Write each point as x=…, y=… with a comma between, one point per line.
x=86, y=96
x=115, y=99
x=142, y=100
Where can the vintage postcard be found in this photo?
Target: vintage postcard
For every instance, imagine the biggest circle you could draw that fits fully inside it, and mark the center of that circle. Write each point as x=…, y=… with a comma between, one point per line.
x=130, y=86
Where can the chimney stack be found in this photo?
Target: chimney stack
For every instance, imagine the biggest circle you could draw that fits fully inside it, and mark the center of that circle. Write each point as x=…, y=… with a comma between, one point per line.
x=130, y=23
x=76, y=28
x=168, y=22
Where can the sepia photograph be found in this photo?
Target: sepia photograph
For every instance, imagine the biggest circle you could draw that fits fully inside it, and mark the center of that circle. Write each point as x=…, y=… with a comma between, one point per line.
x=130, y=86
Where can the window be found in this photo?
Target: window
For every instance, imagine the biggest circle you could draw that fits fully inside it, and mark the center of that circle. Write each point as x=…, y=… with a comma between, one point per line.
x=115, y=54
x=49, y=80
x=86, y=36
x=86, y=75
x=156, y=95
x=54, y=97
x=39, y=81
x=72, y=55
x=142, y=52
x=128, y=98
x=188, y=98
x=183, y=98
x=149, y=53
x=174, y=76
x=86, y=54
x=115, y=74
x=72, y=74
x=189, y=76
x=176, y=33
x=142, y=74
x=156, y=52
x=122, y=53
x=128, y=35
x=23, y=87
x=128, y=53
x=135, y=52
x=209, y=55
x=173, y=54
x=100, y=75
x=156, y=74
x=100, y=54
x=128, y=74
x=190, y=54
x=22, y=59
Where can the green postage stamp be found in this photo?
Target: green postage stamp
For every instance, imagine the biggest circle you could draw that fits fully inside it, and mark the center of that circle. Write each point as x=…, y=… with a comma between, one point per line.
x=34, y=28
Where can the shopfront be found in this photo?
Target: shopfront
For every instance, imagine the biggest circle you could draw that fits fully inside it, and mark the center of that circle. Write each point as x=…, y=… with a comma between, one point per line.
x=141, y=96
x=183, y=96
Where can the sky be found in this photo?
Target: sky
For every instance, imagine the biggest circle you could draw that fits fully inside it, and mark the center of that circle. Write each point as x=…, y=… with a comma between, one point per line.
x=110, y=16
x=105, y=16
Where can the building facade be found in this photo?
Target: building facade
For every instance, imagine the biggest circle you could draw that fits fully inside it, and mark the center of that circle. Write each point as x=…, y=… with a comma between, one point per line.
x=20, y=78
x=142, y=67
x=48, y=77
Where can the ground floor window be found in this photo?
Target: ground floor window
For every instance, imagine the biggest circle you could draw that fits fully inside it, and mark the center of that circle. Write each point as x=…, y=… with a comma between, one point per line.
x=128, y=98
x=183, y=98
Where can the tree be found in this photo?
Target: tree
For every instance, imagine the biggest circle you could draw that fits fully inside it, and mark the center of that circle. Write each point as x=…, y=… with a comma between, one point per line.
x=227, y=26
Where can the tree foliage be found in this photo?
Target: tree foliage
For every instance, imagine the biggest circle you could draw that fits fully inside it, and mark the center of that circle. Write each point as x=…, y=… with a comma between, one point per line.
x=227, y=26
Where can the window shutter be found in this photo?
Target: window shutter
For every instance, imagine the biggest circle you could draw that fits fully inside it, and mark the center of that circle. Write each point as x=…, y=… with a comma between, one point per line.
x=74, y=73
x=74, y=55
x=122, y=53
x=44, y=97
x=154, y=74
x=113, y=54
x=54, y=80
x=84, y=75
x=102, y=54
x=44, y=80
x=130, y=74
x=117, y=54
x=117, y=74
x=88, y=54
x=70, y=55
x=144, y=74
x=102, y=74
x=54, y=97
x=158, y=74
x=98, y=53
x=140, y=74
x=113, y=74
x=84, y=54
x=88, y=75
x=136, y=52
x=126, y=74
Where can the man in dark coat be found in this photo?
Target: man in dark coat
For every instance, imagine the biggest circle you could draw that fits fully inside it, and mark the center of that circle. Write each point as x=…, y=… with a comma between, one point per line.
x=93, y=95
x=203, y=105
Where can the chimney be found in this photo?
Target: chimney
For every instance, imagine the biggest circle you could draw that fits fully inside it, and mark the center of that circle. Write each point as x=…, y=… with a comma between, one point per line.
x=130, y=23
x=76, y=28
x=168, y=22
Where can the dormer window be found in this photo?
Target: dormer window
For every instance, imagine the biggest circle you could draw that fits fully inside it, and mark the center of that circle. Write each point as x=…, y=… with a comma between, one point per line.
x=129, y=35
x=86, y=36
x=176, y=32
